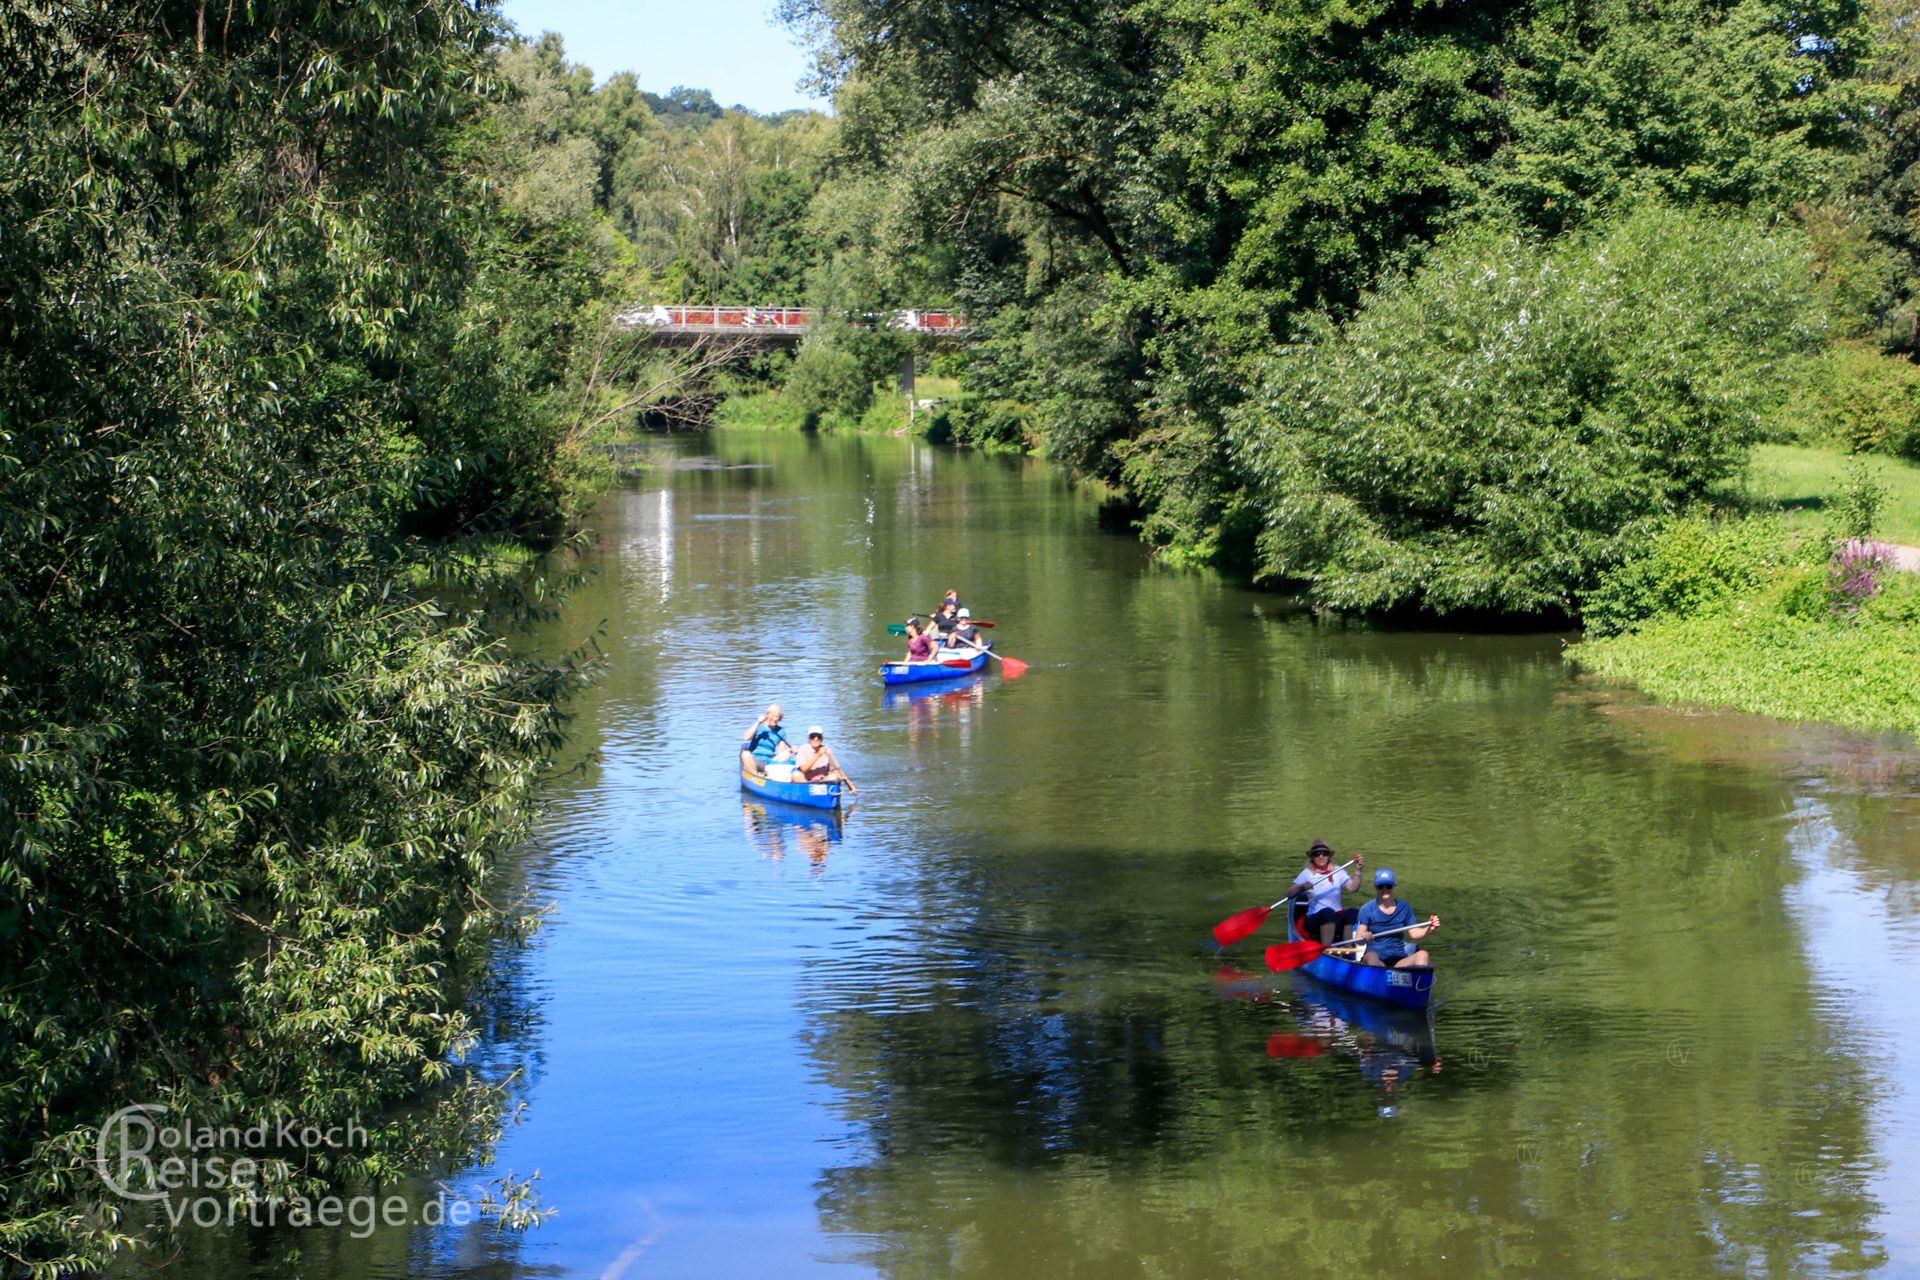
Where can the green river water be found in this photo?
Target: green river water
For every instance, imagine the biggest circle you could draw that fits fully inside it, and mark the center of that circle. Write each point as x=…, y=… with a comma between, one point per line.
x=980, y=1028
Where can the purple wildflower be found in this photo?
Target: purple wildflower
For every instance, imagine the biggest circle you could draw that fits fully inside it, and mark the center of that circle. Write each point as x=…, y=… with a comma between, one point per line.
x=1854, y=573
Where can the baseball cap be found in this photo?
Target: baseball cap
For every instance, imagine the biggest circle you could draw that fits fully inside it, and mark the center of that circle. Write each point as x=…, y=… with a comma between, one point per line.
x=816, y=730
x=1382, y=877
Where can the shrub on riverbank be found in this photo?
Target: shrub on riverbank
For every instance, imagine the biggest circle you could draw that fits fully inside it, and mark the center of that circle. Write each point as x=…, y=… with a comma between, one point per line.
x=1494, y=429
x=1754, y=615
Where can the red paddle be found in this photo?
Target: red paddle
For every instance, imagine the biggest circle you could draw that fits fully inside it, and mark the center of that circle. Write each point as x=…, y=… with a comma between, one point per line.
x=1286, y=1046
x=1283, y=956
x=1243, y=924
x=1011, y=668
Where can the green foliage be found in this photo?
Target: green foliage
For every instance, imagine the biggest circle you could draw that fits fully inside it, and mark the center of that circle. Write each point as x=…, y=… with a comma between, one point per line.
x=1803, y=484
x=978, y=422
x=1135, y=203
x=1861, y=400
x=1862, y=497
x=827, y=377
x=1752, y=615
x=264, y=308
x=1497, y=428
x=1763, y=659
x=1690, y=567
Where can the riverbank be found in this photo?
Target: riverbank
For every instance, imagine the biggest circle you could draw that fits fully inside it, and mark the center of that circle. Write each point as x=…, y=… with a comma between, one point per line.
x=1769, y=612
x=887, y=413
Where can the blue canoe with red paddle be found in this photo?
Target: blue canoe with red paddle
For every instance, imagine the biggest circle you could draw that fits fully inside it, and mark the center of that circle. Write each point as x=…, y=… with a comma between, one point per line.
x=951, y=666
x=1409, y=988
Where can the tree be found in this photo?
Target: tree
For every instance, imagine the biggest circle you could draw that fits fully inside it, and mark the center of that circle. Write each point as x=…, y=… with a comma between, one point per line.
x=252, y=784
x=1494, y=429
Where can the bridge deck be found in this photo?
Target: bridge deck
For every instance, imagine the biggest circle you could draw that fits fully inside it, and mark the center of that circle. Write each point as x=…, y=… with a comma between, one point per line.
x=777, y=323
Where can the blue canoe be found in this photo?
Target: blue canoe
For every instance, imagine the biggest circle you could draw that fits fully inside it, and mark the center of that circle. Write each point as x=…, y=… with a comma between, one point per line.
x=916, y=672
x=1402, y=988
x=811, y=795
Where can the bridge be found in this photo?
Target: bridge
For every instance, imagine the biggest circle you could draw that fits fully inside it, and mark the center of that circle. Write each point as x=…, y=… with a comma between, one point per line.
x=774, y=325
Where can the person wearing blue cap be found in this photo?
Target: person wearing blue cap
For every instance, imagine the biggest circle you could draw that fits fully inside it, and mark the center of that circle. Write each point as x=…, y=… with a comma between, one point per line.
x=1386, y=912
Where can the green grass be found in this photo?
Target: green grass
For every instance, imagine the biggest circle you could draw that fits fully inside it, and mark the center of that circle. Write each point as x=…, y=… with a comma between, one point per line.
x=1804, y=482
x=1764, y=635
x=773, y=410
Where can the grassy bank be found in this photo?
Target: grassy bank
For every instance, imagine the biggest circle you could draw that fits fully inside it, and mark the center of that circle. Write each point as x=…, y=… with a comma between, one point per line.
x=1803, y=484
x=1762, y=615
x=775, y=410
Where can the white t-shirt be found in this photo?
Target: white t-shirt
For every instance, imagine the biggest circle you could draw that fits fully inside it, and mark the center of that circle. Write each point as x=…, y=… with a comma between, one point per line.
x=1325, y=894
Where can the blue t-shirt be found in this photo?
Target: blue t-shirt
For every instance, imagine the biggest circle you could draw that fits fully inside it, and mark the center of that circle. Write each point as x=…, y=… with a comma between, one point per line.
x=1379, y=921
x=1327, y=887
x=766, y=742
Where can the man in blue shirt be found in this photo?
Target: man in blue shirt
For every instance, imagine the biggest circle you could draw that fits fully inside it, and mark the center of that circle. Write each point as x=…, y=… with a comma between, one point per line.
x=764, y=741
x=1386, y=912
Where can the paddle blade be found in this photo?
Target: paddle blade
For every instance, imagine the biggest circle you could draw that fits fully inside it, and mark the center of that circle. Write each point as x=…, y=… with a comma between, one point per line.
x=1286, y=1046
x=1291, y=955
x=982, y=622
x=1240, y=924
x=896, y=629
x=1012, y=668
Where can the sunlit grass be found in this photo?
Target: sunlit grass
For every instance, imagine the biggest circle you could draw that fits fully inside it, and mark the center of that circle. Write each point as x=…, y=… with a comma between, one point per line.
x=774, y=410
x=1804, y=482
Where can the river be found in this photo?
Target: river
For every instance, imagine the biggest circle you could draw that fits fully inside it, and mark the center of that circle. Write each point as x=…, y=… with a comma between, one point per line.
x=980, y=1029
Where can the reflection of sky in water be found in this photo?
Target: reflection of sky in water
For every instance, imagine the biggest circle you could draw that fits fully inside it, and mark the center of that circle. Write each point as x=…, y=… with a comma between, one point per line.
x=1865, y=954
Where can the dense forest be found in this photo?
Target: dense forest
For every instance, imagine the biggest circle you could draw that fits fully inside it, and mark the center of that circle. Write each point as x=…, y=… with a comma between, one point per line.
x=309, y=329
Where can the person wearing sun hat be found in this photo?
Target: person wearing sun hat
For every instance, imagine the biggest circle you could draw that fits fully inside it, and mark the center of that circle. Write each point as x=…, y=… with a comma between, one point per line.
x=1387, y=912
x=815, y=762
x=1322, y=884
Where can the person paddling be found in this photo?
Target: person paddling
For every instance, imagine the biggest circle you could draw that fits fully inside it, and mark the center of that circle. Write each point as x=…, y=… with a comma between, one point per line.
x=945, y=619
x=964, y=632
x=919, y=643
x=1322, y=886
x=1387, y=912
x=816, y=763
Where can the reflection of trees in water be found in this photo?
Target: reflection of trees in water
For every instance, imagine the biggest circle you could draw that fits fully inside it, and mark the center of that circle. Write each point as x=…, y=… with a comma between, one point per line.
x=1636, y=1081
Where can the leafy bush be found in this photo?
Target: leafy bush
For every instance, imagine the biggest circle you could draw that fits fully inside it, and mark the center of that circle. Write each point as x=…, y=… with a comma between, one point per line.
x=827, y=378
x=1495, y=429
x=981, y=422
x=1862, y=496
x=1690, y=567
x=1862, y=400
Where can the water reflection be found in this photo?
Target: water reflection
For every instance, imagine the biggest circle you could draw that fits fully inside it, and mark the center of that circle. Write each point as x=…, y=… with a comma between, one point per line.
x=939, y=705
x=772, y=826
x=1394, y=1047
x=984, y=1046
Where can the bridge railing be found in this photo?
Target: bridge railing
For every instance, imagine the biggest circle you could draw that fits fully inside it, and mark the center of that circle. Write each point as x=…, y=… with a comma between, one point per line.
x=724, y=319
